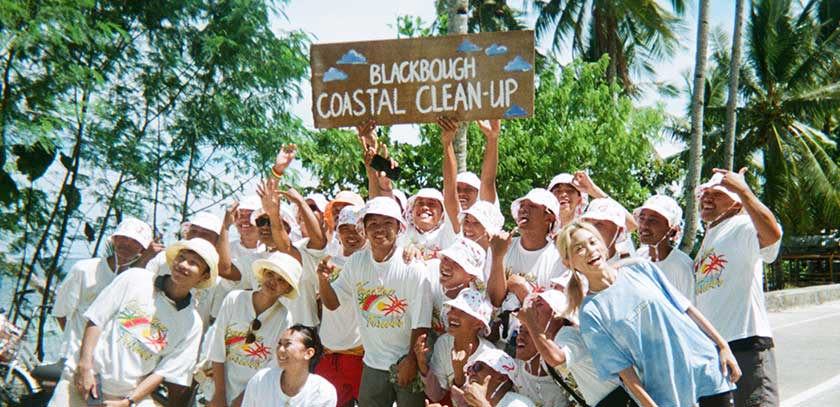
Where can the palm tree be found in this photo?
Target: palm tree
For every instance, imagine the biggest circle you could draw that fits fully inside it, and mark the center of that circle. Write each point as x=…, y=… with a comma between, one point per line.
x=734, y=70
x=635, y=34
x=786, y=129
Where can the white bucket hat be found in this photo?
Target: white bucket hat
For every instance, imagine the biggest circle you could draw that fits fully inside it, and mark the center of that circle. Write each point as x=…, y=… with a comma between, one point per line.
x=497, y=360
x=538, y=196
x=285, y=266
x=566, y=178
x=715, y=183
x=350, y=215
x=319, y=199
x=468, y=254
x=136, y=230
x=474, y=304
x=381, y=205
x=429, y=193
x=206, y=220
x=608, y=210
x=250, y=203
x=343, y=197
x=402, y=200
x=487, y=214
x=204, y=249
x=668, y=208
x=559, y=303
x=469, y=178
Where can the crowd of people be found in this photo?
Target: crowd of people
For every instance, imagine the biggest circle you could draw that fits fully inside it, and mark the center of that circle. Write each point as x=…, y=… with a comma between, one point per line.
x=427, y=300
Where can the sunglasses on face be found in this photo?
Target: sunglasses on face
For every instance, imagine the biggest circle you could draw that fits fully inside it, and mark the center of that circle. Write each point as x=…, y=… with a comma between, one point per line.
x=474, y=368
x=255, y=326
x=263, y=221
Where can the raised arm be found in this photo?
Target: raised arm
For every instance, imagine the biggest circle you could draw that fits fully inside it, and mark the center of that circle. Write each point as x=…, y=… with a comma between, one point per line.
x=226, y=269
x=267, y=190
x=284, y=158
x=497, y=283
x=366, y=134
x=586, y=184
x=450, y=171
x=768, y=230
x=317, y=239
x=490, y=166
x=549, y=351
x=329, y=298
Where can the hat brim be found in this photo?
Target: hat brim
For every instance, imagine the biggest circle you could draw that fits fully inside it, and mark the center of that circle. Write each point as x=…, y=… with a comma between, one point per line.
x=262, y=265
x=175, y=248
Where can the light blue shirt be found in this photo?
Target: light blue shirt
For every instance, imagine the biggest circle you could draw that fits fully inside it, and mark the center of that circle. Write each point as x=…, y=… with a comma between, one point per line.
x=640, y=322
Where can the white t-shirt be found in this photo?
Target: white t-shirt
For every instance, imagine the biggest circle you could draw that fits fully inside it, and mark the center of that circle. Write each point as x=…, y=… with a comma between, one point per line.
x=340, y=328
x=678, y=269
x=243, y=257
x=538, y=267
x=729, y=275
x=227, y=345
x=542, y=390
x=579, y=362
x=513, y=399
x=304, y=308
x=391, y=299
x=74, y=295
x=429, y=243
x=264, y=390
x=143, y=332
x=441, y=362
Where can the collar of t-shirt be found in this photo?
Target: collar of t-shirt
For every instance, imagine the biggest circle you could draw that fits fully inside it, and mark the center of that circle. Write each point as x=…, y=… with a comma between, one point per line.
x=179, y=304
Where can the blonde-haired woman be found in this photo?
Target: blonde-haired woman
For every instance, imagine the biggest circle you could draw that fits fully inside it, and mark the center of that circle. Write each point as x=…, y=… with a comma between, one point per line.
x=645, y=331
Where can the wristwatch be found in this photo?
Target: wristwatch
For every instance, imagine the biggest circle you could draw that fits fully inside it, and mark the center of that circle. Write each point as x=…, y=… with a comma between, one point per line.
x=131, y=402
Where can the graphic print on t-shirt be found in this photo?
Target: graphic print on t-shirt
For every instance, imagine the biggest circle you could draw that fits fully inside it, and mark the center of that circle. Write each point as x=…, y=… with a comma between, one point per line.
x=334, y=275
x=253, y=355
x=381, y=307
x=437, y=321
x=708, y=270
x=143, y=334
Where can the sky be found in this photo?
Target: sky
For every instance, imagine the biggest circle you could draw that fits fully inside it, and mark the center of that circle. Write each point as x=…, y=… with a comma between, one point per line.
x=362, y=20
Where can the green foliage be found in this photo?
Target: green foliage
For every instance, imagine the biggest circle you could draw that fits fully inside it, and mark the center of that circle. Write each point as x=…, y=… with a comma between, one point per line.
x=578, y=125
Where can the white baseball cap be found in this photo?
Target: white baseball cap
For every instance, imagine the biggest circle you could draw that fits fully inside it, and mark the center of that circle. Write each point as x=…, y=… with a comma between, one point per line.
x=206, y=220
x=385, y=206
x=715, y=183
x=469, y=178
x=136, y=230
x=538, y=196
x=468, y=254
x=497, y=360
x=663, y=205
x=608, y=210
x=473, y=303
x=205, y=250
x=487, y=214
x=250, y=203
x=285, y=266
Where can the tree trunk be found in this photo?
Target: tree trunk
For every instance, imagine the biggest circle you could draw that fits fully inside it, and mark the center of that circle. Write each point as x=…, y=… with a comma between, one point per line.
x=695, y=160
x=108, y=213
x=457, y=24
x=734, y=70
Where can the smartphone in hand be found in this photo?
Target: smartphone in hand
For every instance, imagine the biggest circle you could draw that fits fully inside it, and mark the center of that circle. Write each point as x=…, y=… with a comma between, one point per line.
x=382, y=164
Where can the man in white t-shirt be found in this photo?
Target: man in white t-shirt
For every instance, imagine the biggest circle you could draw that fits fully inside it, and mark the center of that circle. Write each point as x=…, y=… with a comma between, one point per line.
x=89, y=277
x=525, y=263
x=141, y=330
x=742, y=234
x=660, y=229
x=393, y=302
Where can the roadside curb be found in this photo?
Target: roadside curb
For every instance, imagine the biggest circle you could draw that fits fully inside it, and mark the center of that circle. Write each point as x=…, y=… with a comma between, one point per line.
x=798, y=297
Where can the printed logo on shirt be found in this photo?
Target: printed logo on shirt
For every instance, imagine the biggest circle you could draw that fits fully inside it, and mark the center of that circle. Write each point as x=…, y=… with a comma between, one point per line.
x=334, y=274
x=437, y=321
x=143, y=334
x=254, y=355
x=381, y=308
x=708, y=271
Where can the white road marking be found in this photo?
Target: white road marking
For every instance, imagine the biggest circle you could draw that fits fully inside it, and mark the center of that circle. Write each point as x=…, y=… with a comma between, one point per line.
x=812, y=392
x=805, y=321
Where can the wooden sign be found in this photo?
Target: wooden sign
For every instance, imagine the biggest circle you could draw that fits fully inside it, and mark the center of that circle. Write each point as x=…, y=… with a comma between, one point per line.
x=416, y=80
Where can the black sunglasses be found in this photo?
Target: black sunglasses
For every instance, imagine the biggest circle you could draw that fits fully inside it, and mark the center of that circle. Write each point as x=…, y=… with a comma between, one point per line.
x=255, y=326
x=263, y=221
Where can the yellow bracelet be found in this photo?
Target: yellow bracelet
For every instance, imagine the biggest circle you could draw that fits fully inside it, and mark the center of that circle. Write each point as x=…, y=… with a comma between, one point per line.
x=278, y=175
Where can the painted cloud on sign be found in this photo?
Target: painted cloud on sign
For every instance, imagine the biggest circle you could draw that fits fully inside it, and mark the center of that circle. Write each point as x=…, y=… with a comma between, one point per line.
x=496, y=49
x=352, y=57
x=518, y=65
x=334, y=74
x=468, y=46
x=515, y=111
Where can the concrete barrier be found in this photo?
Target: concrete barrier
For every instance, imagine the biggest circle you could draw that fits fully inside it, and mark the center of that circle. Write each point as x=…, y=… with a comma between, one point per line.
x=797, y=297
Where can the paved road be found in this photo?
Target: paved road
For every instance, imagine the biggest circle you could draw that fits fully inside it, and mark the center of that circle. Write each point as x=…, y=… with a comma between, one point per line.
x=808, y=354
